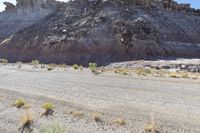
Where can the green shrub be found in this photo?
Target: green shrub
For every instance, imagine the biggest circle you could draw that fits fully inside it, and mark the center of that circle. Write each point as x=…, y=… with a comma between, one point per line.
x=75, y=66
x=48, y=106
x=3, y=61
x=50, y=67
x=92, y=65
x=19, y=103
x=35, y=63
x=93, y=68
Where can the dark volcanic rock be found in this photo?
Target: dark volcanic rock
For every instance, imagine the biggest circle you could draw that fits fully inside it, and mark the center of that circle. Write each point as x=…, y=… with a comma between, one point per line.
x=83, y=31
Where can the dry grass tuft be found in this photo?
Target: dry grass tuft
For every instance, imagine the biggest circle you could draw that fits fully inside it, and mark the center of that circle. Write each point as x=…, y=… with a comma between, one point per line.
x=174, y=75
x=26, y=121
x=76, y=113
x=122, y=71
x=94, y=69
x=143, y=71
x=120, y=121
x=151, y=127
x=19, y=103
x=97, y=116
x=50, y=67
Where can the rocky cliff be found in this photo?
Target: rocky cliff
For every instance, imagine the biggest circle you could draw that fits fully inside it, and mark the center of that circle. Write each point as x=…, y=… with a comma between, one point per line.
x=24, y=14
x=83, y=31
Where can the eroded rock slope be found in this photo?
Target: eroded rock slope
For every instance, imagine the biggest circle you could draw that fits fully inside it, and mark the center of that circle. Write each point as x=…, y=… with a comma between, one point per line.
x=83, y=31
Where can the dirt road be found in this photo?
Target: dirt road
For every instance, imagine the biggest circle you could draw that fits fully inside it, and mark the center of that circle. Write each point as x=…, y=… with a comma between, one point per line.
x=175, y=99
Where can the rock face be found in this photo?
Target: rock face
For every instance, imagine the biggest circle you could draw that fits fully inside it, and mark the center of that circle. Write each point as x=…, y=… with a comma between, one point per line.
x=83, y=31
x=24, y=14
x=9, y=6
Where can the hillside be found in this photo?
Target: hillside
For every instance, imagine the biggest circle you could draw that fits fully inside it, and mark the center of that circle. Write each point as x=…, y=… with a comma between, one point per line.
x=82, y=31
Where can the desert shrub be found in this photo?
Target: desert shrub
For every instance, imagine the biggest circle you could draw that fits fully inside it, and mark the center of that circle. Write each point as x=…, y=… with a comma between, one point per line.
x=50, y=67
x=3, y=61
x=19, y=103
x=76, y=113
x=122, y=71
x=174, y=75
x=48, y=105
x=119, y=121
x=143, y=71
x=35, y=63
x=94, y=69
x=48, y=109
x=53, y=128
x=97, y=116
x=26, y=122
x=184, y=75
x=151, y=128
x=75, y=66
x=92, y=65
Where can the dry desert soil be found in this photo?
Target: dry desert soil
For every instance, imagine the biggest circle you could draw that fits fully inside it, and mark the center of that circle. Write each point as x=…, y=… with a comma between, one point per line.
x=105, y=103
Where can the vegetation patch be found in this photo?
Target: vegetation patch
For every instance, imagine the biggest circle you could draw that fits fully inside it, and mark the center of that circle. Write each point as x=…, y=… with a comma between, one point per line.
x=19, y=103
x=50, y=67
x=122, y=71
x=35, y=63
x=120, y=121
x=97, y=116
x=151, y=128
x=75, y=113
x=174, y=75
x=3, y=61
x=48, y=109
x=26, y=122
x=94, y=69
x=144, y=71
x=75, y=66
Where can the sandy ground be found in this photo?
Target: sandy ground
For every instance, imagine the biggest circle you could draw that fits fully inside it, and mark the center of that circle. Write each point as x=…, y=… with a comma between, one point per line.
x=173, y=104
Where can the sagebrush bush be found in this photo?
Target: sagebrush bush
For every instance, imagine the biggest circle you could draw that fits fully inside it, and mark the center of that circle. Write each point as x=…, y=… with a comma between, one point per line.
x=48, y=106
x=75, y=66
x=35, y=63
x=19, y=103
x=48, y=109
x=3, y=61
